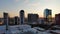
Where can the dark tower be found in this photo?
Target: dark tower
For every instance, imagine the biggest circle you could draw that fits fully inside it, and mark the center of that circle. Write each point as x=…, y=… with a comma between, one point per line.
x=21, y=16
x=5, y=16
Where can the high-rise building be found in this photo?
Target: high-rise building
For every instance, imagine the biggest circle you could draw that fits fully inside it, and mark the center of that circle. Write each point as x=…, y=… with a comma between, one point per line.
x=57, y=19
x=21, y=16
x=32, y=18
x=48, y=15
x=16, y=20
x=5, y=17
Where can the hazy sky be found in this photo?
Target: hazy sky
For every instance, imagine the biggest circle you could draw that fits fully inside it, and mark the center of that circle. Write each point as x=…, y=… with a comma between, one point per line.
x=30, y=6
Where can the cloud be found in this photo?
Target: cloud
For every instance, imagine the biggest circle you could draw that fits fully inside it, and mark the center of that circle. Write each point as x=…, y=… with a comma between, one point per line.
x=35, y=4
x=23, y=1
x=16, y=0
x=26, y=1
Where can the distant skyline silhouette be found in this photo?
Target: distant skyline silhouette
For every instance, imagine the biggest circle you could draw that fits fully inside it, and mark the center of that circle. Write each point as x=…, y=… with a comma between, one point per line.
x=29, y=6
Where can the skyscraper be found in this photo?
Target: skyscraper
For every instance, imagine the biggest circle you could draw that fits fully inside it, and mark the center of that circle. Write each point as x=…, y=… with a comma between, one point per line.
x=5, y=16
x=21, y=16
x=48, y=15
x=32, y=18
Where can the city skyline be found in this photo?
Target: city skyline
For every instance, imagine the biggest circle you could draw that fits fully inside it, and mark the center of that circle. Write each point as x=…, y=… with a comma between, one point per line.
x=29, y=6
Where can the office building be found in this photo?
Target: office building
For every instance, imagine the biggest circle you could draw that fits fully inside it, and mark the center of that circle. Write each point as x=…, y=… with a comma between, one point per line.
x=21, y=16
x=16, y=20
x=32, y=18
x=41, y=20
x=57, y=19
x=48, y=15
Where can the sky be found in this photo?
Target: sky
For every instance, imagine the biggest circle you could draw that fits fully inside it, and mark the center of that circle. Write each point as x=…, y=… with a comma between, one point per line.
x=29, y=6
